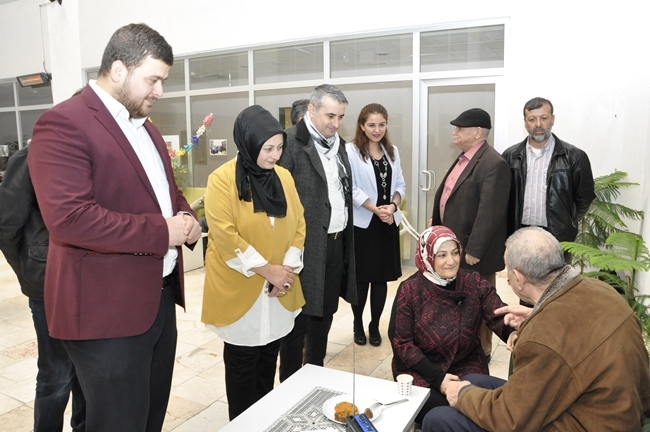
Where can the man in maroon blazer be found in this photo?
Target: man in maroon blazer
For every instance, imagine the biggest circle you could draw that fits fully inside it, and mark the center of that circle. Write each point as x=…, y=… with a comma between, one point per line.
x=106, y=190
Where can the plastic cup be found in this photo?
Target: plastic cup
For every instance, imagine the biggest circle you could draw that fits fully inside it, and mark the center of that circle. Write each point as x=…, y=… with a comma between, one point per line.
x=404, y=384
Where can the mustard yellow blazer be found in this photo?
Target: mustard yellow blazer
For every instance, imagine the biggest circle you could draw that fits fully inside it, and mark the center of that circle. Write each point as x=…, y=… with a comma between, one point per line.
x=234, y=226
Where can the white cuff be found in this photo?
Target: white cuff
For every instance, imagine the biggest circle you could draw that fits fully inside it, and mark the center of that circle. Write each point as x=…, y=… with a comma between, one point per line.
x=293, y=258
x=246, y=261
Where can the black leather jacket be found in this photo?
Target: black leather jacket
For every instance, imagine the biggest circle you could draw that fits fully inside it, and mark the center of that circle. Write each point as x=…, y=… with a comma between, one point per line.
x=569, y=193
x=23, y=236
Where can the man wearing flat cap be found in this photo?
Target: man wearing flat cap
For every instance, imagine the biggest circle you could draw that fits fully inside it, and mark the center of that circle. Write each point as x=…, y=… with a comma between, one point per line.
x=472, y=200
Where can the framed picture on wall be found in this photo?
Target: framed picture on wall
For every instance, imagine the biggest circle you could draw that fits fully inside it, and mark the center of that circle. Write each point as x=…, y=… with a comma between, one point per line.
x=285, y=117
x=218, y=147
x=173, y=144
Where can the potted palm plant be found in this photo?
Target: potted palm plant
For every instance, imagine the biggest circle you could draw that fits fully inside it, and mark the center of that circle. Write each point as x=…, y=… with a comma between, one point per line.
x=606, y=247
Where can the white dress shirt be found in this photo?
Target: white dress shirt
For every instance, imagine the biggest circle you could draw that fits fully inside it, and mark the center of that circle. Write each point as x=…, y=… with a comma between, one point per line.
x=135, y=132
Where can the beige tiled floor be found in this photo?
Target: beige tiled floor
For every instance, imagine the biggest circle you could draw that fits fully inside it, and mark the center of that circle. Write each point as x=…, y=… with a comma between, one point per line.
x=198, y=399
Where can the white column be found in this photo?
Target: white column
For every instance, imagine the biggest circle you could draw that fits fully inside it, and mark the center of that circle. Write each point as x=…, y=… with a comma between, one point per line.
x=62, y=46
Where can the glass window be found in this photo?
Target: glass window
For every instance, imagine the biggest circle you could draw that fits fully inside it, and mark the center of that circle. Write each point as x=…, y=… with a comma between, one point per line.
x=91, y=74
x=278, y=102
x=397, y=98
x=176, y=79
x=168, y=114
x=216, y=145
x=28, y=120
x=219, y=71
x=459, y=49
x=7, y=94
x=8, y=137
x=372, y=56
x=35, y=95
x=297, y=63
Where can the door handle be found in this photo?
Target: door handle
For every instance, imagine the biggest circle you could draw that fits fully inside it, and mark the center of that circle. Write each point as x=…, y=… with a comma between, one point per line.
x=431, y=180
x=428, y=186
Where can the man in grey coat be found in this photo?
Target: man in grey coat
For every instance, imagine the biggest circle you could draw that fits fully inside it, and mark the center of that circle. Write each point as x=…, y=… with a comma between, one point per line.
x=315, y=155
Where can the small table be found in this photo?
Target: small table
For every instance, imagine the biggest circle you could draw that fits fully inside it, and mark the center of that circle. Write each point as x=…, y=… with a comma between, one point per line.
x=267, y=410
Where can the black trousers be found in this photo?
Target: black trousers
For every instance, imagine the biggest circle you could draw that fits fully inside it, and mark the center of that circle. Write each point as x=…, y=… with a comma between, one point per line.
x=309, y=331
x=126, y=381
x=250, y=372
x=55, y=380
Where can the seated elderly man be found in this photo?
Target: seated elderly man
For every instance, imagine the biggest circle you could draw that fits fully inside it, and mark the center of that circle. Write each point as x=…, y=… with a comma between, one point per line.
x=580, y=363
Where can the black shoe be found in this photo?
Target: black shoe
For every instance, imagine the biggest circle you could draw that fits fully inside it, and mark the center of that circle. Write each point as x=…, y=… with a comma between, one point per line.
x=360, y=339
x=375, y=337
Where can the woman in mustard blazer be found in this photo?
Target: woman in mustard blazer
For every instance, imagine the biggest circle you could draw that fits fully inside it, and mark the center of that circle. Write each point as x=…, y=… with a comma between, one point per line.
x=252, y=291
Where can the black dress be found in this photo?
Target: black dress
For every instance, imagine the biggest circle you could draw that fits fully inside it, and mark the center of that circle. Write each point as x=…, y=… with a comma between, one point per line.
x=376, y=248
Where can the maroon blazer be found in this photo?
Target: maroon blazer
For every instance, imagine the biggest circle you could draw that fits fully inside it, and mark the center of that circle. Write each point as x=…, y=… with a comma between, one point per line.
x=107, y=234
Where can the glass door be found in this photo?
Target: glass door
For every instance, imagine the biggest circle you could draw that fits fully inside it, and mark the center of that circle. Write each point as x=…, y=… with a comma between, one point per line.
x=440, y=102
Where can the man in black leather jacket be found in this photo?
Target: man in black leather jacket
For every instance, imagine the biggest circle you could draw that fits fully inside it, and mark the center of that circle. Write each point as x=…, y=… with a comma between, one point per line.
x=552, y=184
x=24, y=243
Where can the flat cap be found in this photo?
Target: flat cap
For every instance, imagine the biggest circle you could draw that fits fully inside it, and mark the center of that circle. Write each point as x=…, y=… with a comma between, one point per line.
x=475, y=117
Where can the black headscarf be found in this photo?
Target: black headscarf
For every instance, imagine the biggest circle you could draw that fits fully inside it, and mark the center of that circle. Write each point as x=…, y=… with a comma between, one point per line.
x=253, y=127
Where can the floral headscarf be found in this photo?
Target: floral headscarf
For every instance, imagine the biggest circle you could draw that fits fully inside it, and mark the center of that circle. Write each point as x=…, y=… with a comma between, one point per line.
x=428, y=245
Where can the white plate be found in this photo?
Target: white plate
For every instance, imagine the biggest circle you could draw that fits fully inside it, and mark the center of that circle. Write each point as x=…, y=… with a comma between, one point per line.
x=361, y=402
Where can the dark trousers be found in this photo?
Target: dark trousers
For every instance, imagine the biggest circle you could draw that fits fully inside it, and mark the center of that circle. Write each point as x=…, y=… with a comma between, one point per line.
x=485, y=332
x=448, y=419
x=311, y=331
x=55, y=380
x=127, y=380
x=250, y=372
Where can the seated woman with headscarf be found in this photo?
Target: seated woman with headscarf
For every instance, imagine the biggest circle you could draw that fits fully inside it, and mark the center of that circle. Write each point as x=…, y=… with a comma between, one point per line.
x=257, y=231
x=436, y=318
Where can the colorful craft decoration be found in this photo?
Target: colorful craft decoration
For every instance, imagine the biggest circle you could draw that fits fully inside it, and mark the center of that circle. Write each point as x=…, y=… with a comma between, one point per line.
x=195, y=138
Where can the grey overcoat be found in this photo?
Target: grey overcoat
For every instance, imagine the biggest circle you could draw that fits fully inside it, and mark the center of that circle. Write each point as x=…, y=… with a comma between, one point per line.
x=301, y=158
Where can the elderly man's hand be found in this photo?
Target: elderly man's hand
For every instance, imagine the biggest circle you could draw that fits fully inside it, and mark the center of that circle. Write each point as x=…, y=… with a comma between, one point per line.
x=514, y=315
x=471, y=260
x=510, y=345
x=453, y=388
x=446, y=380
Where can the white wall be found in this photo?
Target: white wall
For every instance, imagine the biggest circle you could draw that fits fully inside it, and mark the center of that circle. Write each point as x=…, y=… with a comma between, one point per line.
x=588, y=59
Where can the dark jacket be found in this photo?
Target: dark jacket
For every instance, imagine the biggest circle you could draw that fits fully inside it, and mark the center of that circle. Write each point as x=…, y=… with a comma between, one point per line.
x=435, y=330
x=301, y=158
x=569, y=193
x=477, y=209
x=23, y=236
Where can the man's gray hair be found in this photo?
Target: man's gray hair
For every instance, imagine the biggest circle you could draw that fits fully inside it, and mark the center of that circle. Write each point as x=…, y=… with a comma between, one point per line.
x=322, y=91
x=535, y=253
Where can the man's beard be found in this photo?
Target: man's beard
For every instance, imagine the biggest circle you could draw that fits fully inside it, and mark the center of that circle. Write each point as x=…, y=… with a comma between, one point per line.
x=136, y=109
x=540, y=138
